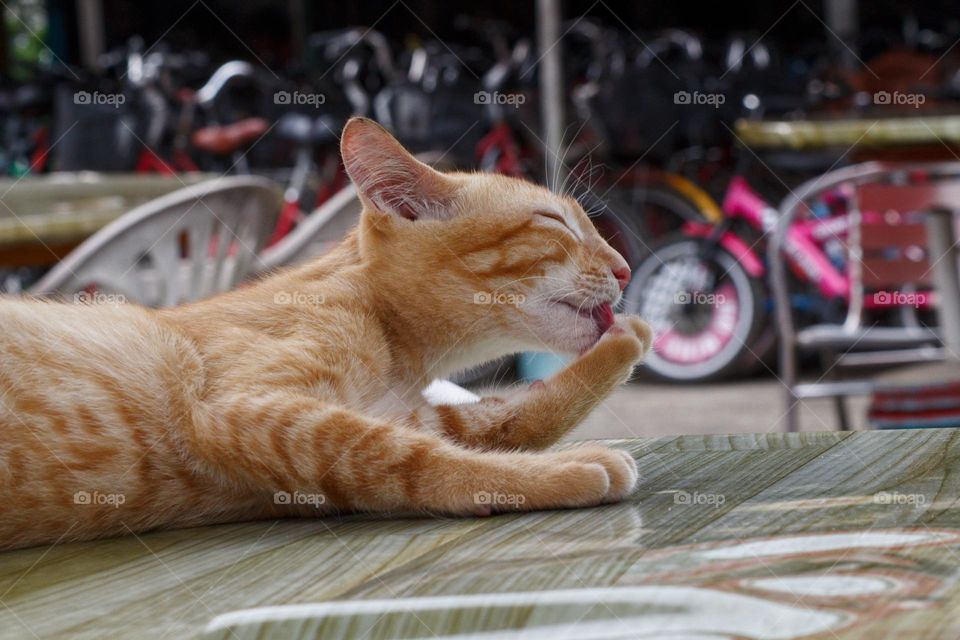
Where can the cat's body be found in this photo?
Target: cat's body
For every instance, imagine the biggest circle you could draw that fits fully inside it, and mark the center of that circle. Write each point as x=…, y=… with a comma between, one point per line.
x=301, y=394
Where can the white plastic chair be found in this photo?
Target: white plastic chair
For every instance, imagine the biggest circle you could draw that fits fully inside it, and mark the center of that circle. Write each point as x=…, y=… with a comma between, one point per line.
x=181, y=247
x=322, y=230
x=328, y=224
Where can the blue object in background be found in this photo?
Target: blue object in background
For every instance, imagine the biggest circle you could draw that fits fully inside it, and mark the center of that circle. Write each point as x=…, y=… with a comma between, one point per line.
x=533, y=366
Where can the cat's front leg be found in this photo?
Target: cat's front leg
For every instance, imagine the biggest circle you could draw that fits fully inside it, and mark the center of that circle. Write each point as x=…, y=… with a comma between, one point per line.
x=293, y=445
x=541, y=415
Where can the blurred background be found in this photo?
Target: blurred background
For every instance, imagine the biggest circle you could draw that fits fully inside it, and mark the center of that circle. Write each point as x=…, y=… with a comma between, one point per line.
x=780, y=176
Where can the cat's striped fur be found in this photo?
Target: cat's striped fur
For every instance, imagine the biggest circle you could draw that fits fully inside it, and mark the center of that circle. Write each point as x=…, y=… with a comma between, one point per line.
x=300, y=394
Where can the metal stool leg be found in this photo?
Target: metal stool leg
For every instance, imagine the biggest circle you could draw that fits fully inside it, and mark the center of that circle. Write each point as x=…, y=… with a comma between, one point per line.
x=788, y=375
x=840, y=407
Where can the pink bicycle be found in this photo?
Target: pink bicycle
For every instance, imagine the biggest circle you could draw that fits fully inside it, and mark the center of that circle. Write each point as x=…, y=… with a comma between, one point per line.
x=705, y=290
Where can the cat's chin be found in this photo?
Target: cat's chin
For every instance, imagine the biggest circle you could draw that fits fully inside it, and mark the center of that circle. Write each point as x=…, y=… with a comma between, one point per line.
x=583, y=326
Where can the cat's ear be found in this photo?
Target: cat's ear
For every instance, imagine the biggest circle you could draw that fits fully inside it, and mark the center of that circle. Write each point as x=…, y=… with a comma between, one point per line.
x=389, y=177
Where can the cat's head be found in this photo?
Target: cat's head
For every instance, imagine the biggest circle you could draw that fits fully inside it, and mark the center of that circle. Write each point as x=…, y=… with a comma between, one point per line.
x=500, y=263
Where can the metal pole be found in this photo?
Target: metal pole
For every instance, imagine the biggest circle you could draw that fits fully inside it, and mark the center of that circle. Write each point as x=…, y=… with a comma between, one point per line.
x=550, y=51
x=298, y=34
x=842, y=22
x=90, y=23
x=943, y=253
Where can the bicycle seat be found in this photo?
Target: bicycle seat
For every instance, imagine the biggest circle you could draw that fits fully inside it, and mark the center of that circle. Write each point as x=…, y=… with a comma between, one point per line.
x=227, y=138
x=306, y=130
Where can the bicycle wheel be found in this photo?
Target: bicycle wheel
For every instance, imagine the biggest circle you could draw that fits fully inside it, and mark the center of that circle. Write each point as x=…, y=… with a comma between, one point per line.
x=648, y=214
x=706, y=311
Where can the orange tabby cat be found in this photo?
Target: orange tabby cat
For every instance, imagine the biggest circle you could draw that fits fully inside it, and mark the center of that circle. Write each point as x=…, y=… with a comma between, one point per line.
x=301, y=394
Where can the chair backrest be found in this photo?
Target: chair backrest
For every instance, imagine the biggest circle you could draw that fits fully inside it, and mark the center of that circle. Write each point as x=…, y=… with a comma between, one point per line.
x=181, y=247
x=317, y=233
x=894, y=245
x=329, y=223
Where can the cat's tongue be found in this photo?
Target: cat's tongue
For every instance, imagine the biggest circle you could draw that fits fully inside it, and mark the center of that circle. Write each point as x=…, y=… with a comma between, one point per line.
x=603, y=316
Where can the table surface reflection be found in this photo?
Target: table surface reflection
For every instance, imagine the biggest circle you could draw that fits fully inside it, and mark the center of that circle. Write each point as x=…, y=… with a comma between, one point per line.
x=832, y=535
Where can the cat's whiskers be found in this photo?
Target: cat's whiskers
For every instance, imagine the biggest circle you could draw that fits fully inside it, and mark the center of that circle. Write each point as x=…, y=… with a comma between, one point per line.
x=583, y=178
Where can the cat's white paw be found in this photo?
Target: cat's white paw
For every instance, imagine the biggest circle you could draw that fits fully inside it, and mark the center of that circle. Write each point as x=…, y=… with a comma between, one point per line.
x=632, y=326
x=620, y=467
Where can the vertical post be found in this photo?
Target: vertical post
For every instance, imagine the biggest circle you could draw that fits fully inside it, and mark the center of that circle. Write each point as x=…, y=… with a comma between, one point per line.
x=550, y=53
x=4, y=49
x=297, y=10
x=90, y=23
x=841, y=19
x=783, y=311
x=941, y=241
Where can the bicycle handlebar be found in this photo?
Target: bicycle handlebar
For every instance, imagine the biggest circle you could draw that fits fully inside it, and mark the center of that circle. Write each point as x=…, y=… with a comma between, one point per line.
x=224, y=74
x=339, y=43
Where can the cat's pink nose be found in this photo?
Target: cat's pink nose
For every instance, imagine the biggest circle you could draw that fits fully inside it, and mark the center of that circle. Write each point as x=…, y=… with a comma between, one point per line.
x=622, y=274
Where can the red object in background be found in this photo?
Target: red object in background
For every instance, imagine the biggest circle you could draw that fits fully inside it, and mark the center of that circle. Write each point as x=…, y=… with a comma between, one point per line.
x=184, y=162
x=934, y=406
x=501, y=138
x=41, y=151
x=149, y=162
x=225, y=139
x=292, y=214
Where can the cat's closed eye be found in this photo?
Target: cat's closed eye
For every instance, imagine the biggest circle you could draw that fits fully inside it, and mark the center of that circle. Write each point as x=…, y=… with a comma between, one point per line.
x=557, y=220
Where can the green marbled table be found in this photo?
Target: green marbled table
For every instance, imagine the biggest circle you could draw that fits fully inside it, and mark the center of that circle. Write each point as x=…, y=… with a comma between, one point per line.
x=43, y=217
x=863, y=130
x=827, y=535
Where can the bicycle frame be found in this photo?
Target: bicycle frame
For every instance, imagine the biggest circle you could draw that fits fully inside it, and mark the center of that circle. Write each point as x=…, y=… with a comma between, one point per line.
x=802, y=246
x=501, y=146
